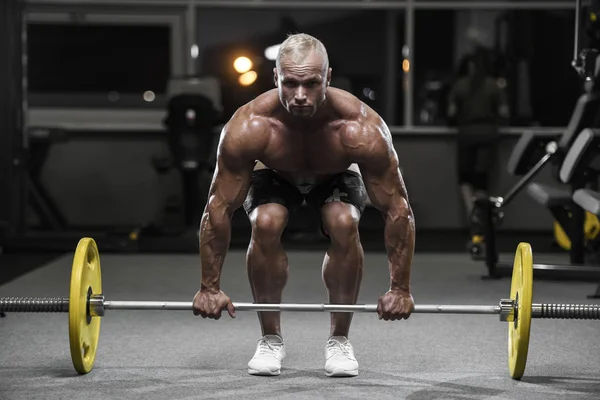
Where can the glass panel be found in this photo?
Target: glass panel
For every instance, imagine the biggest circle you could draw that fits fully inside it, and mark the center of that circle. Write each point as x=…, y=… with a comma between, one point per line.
x=355, y=41
x=529, y=53
x=111, y=60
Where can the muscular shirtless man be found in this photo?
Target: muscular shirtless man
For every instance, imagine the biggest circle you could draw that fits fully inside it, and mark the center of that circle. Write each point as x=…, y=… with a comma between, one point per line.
x=306, y=141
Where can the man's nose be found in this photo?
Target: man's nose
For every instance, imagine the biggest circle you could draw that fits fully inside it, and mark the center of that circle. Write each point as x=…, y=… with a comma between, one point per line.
x=300, y=96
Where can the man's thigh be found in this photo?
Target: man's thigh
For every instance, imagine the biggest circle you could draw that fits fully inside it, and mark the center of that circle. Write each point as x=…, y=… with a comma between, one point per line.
x=347, y=187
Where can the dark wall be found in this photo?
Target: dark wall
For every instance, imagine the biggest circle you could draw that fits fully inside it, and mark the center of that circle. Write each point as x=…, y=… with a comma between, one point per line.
x=11, y=117
x=552, y=79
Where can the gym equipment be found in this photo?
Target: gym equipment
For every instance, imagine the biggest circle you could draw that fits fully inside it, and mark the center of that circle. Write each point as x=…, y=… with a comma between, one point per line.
x=578, y=227
x=86, y=304
x=84, y=331
x=591, y=229
x=193, y=115
x=531, y=154
x=583, y=159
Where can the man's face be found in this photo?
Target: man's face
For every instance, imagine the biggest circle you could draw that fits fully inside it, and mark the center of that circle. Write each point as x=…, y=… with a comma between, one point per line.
x=302, y=85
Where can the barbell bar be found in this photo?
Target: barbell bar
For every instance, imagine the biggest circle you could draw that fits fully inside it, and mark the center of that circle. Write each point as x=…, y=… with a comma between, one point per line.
x=97, y=305
x=86, y=305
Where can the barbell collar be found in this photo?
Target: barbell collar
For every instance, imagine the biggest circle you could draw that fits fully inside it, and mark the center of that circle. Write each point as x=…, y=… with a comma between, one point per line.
x=507, y=310
x=96, y=305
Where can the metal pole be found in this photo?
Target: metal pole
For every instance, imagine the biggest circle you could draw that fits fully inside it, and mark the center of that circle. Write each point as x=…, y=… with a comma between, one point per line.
x=426, y=309
x=528, y=177
x=408, y=54
x=190, y=32
x=577, y=30
x=494, y=5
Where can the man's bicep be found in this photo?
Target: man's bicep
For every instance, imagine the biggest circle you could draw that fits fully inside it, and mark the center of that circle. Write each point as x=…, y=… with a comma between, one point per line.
x=383, y=179
x=232, y=176
x=230, y=185
x=386, y=189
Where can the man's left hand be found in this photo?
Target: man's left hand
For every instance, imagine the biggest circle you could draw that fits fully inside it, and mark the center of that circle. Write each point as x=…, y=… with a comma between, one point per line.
x=394, y=305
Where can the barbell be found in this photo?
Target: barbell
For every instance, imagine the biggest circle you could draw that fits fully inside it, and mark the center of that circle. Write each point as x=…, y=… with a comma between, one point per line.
x=86, y=305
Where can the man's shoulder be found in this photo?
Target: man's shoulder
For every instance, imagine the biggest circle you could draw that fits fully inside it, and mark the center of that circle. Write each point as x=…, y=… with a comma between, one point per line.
x=361, y=123
x=265, y=104
x=247, y=131
x=253, y=115
x=344, y=102
x=349, y=109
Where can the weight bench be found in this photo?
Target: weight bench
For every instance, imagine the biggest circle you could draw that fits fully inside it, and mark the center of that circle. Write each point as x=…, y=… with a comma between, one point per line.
x=584, y=159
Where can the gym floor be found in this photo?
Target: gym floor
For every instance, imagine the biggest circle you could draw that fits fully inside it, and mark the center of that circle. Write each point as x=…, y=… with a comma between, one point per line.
x=174, y=355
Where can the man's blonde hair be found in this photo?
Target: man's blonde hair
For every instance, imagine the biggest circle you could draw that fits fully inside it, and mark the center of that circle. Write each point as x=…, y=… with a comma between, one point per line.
x=297, y=46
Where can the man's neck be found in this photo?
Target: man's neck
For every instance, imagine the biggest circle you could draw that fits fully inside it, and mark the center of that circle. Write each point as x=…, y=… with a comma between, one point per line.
x=309, y=123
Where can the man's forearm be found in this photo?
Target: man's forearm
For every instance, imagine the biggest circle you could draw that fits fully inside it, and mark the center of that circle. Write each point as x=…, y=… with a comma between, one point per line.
x=215, y=236
x=399, y=234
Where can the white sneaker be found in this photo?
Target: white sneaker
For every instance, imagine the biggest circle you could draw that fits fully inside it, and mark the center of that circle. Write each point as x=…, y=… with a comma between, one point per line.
x=270, y=351
x=339, y=357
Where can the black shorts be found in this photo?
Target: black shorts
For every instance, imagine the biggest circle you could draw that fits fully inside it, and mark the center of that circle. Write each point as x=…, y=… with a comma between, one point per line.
x=269, y=187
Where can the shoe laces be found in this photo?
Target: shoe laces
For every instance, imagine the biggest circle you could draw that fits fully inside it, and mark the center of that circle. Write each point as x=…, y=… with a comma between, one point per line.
x=336, y=347
x=266, y=347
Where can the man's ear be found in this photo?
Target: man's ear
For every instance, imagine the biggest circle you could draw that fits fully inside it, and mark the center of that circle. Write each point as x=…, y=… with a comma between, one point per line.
x=275, y=77
x=329, y=77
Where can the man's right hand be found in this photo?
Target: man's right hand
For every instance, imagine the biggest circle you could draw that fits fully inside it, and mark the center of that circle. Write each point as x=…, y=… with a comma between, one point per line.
x=209, y=303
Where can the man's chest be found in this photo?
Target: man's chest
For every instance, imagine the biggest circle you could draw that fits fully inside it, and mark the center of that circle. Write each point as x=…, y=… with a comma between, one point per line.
x=319, y=152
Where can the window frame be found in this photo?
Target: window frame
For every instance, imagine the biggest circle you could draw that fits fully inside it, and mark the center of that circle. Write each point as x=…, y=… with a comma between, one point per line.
x=89, y=110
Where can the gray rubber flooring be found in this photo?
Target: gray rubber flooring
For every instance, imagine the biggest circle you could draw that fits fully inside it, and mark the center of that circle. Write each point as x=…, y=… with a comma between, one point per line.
x=174, y=355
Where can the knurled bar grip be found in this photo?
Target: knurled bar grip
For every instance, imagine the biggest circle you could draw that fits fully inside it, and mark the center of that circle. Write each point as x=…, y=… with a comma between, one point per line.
x=34, y=304
x=566, y=311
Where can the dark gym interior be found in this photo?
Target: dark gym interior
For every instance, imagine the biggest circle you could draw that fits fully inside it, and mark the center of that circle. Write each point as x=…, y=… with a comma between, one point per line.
x=111, y=118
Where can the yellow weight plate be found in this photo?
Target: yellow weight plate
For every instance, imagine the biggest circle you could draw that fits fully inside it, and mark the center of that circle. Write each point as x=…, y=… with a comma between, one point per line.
x=521, y=291
x=84, y=330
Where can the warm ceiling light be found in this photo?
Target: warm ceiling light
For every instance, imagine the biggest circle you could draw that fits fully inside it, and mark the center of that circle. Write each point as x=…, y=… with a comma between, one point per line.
x=242, y=64
x=248, y=78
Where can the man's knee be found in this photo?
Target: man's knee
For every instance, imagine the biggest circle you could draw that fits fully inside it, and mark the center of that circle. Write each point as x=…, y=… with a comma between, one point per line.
x=340, y=222
x=268, y=221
